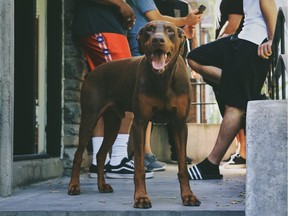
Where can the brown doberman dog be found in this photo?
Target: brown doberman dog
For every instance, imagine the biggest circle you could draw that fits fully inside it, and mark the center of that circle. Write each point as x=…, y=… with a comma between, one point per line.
x=155, y=87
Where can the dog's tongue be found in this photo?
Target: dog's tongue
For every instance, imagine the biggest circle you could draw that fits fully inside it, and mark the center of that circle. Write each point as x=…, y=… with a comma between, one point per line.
x=158, y=60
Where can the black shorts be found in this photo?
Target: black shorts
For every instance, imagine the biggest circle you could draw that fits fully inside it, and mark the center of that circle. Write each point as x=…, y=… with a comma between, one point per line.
x=243, y=71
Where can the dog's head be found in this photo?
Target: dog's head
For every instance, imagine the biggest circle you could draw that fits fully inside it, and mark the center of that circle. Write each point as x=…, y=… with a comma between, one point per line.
x=161, y=42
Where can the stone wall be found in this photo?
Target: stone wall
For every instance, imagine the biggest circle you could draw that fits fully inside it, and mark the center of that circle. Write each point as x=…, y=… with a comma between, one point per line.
x=75, y=68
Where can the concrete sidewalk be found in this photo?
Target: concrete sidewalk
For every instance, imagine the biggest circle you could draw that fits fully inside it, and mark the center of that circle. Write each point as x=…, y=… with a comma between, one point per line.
x=218, y=197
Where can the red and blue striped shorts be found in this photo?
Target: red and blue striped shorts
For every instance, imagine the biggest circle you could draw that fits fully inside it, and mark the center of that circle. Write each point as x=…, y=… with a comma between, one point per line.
x=104, y=47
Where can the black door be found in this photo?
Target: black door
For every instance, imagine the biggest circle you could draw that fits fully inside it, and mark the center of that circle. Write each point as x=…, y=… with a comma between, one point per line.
x=26, y=79
x=24, y=99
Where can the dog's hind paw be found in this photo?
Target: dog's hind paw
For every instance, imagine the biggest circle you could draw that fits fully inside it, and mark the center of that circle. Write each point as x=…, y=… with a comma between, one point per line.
x=142, y=202
x=105, y=188
x=191, y=200
x=74, y=190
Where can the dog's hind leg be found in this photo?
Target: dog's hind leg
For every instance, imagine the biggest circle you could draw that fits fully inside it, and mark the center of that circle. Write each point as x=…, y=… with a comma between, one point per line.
x=112, y=122
x=85, y=131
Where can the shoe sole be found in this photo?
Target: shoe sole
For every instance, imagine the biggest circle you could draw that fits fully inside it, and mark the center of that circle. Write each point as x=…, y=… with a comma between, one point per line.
x=207, y=177
x=161, y=167
x=173, y=162
x=157, y=168
x=234, y=166
x=126, y=176
x=93, y=175
x=176, y=162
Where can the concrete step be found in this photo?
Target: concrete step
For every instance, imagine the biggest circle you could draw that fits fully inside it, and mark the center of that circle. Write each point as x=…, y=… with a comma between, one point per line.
x=267, y=144
x=224, y=197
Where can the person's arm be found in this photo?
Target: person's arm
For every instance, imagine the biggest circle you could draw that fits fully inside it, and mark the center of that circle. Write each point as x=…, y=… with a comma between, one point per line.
x=124, y=8
x=269, y=11
x=231, y=25
x=190, y=19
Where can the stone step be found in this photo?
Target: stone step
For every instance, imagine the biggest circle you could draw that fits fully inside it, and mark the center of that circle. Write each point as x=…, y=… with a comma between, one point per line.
x=266, y=184
x=224, y=197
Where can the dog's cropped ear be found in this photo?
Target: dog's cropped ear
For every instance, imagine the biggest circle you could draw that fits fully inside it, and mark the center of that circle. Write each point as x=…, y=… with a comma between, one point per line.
x=140, y=45
x=182, y=45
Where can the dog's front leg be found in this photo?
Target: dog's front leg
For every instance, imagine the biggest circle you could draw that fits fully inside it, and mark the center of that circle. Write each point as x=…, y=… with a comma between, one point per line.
x=141, y=199
x=180, y=136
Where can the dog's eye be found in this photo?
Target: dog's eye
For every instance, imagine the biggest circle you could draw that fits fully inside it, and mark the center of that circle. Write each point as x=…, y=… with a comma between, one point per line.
x=170, y=30
x=149, y=29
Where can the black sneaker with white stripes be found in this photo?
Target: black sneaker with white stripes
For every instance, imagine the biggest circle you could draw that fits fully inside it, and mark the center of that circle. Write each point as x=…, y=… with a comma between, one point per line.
x=204, y=171
x=125, y=170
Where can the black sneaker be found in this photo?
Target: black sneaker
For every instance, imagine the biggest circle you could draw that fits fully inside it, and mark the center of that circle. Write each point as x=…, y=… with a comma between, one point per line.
x=174, y=160
x=236, y=162
x=231, y=157
x=125, y=170
x=93, y=170
x=195, y=173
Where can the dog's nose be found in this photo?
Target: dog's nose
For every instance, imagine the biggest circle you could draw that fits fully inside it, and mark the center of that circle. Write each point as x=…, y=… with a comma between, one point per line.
x=158, y=39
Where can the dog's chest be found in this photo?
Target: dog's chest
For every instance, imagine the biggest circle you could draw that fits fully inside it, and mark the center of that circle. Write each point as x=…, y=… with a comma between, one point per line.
x=163, y=109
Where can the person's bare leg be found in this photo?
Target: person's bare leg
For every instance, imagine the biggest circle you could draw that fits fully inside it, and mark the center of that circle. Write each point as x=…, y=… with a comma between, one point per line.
x=209, y=72
x=148, y=149
x=150, y=160
x=126, y=123
x=242, y=141
x=124, y=128
x=231, y=124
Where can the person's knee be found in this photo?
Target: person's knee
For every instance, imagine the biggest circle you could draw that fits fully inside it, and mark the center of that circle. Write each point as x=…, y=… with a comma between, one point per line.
x=235, y=110
x=197, y=67
x=98, y=130
x=129, y=116
x=193, y=64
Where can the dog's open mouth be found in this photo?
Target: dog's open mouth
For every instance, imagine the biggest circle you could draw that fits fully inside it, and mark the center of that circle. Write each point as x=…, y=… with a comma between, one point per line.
x=160, y=59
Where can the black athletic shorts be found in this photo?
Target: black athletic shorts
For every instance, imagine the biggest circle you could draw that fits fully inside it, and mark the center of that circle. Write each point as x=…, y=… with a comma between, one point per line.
x=243, y=71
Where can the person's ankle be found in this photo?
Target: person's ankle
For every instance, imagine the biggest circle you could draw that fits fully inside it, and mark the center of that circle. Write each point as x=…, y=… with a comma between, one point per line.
x=243, y=156
x=209, y=167
x=212, y=161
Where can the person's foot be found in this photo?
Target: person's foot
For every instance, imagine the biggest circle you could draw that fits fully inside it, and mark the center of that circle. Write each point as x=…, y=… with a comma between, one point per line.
x=93, y=170
x=236, y=162
x=174, y=160
x=205, y=170
x=125, y=170
x=231, y=156
x=151, y=163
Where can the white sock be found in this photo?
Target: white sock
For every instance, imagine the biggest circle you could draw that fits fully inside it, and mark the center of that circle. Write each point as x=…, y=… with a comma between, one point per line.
x=119, y=149
x=96, y=142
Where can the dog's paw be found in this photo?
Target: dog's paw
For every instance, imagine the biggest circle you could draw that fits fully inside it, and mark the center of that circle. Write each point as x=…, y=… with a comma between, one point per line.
x=190, y=200
x=105, y=188
x=142, y=202
x=74, y=190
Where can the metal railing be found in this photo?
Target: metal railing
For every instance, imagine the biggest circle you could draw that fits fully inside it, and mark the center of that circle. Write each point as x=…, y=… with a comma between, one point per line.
x=199, y=101
x=276, y=79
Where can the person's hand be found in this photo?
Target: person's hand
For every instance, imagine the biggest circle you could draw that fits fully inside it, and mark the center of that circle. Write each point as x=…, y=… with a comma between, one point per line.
x=265, y=49
x=193, y=18
x=189, y=31
x=128, y=16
